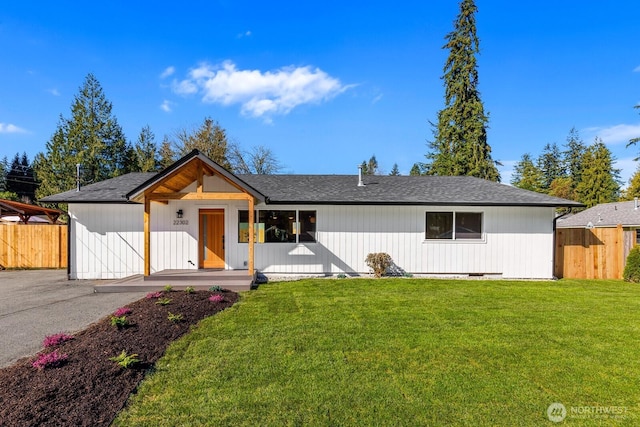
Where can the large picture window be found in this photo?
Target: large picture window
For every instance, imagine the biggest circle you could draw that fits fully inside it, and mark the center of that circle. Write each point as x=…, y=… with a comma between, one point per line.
x=278, y=226
x=453, y=225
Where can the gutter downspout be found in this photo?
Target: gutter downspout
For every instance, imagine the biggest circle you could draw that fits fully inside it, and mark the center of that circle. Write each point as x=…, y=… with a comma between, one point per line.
x=553, y=252
x=68, y=245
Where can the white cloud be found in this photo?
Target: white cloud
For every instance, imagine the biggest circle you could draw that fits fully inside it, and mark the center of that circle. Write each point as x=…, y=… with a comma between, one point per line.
x=54, y=92
x=167, y=72
x=376, y=99
x=637, y=69
x=615, y=134
x=9, y=128
x=260, y=94
x=166, y=106
x=245, y=34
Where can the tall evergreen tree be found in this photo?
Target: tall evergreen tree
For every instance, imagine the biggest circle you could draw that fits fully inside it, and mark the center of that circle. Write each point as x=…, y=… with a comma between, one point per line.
x=166, y=155
x=460, y=138
x=4, y=169
x=394, y=170
x=418, y=169
x=210, y=139
x=146, y=151
x=633, y=190
x=92, y=138
x=599, y=182
x=551, y=165
x=370, y=167
x=573, y=157
x=527, y=175
x=20, y=179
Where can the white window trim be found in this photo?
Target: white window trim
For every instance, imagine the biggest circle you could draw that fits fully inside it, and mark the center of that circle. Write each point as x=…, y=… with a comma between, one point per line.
x=453, y=240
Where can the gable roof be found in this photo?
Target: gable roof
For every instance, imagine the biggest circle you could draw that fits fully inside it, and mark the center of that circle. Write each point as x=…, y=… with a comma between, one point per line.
x=316, y=189
x=604, y=215
x=185, y=171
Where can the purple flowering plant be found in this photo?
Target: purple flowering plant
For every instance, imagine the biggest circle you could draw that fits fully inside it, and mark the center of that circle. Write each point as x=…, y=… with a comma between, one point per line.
x=216, y=298
x=55, y=339
x=50, y=360
x=152, y=295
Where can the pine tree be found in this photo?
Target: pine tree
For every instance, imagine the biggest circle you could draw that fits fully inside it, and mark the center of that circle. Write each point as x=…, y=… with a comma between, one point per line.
x=418, y=169
x=573, y=157
x=551, y=165
x=146, y=151
x=210, y=139
x=633, y=190
x=92, y=138
x=394, y=170
x=166, y=155
x=599, y=182
x=460, y=138
x=20, y=179
x=527, y=175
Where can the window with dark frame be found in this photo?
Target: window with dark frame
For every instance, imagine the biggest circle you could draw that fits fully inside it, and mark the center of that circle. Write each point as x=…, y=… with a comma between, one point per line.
x=440, y=226
x=278, y=226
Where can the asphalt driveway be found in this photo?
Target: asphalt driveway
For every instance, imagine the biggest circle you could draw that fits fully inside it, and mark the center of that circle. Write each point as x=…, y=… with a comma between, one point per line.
x=36, y=303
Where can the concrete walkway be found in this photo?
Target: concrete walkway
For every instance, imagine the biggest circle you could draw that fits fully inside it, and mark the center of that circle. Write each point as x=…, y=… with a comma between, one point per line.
x=36, y=303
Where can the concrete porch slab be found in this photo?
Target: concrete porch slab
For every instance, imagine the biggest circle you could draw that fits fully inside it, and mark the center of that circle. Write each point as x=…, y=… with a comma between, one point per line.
x=233, y=280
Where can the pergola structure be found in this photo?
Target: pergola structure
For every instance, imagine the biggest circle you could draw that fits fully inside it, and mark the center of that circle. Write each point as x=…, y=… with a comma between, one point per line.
x=171, y=183
x=25, y=211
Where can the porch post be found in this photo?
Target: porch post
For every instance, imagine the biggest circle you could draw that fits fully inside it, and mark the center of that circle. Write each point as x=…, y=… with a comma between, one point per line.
x=251, y=235
x=147, y=236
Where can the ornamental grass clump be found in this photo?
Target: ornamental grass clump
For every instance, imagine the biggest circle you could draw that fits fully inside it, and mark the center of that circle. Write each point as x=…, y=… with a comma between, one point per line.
x=168, y=288
x=216, y=298
x=216, y=288
x=55, y=339
x=125, y=360
x=50, y=360
x=189, y=290
x=175, y=318
x=163, y=301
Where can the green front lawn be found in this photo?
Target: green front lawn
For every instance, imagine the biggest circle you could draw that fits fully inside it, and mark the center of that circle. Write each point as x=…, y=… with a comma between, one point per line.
x=393, y=352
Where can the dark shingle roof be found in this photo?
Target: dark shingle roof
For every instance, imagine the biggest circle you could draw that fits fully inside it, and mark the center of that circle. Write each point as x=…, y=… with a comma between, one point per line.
x=401, y=190
x=604, y=215
x=343, y=189
x=112, y=190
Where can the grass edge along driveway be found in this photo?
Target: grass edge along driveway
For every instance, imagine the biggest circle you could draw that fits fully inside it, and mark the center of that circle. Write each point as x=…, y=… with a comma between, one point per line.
x=404, y=352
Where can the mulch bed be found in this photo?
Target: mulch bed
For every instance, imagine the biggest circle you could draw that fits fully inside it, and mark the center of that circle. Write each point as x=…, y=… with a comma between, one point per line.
x=89, y=389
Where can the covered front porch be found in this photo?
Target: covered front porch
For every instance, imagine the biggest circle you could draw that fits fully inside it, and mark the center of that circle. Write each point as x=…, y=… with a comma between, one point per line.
x=203, y=279
x=204, y=199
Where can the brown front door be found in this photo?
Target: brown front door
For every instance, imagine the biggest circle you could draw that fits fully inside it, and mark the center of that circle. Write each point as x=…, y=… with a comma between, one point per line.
x=211, y=240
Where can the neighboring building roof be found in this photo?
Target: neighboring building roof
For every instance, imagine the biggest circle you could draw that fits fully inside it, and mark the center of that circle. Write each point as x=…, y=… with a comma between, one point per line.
x=605, y=215
x=323, y=189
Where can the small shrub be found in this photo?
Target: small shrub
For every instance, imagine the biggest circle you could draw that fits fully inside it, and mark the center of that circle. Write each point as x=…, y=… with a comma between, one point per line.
x=342, y=276
x=125, y=360
x=189, y=289
x=216, y=288
x=379, y=262
x=122, y=311
x=119, y=321
x=175, y=317
x=153, y=295
x=216, y=298
x=168, y=288
x=163, y=301
x=632, y=268
x=55, y=340
x=50, y=360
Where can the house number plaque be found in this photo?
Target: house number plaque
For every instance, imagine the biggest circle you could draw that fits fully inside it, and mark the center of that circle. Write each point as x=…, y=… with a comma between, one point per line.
x=180, y=222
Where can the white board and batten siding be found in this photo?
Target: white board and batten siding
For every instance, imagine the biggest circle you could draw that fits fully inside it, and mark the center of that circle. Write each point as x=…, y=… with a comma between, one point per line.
x=109, y=241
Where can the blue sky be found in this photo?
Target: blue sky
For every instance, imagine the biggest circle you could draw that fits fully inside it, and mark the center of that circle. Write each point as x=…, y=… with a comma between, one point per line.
x=323, y=84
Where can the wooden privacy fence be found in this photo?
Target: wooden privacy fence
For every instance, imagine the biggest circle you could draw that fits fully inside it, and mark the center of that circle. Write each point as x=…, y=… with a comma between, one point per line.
x=595, y=253
x=33, y=246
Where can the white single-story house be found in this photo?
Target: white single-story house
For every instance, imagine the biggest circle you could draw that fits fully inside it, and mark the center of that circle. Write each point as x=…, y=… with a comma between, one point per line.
x=197, y=215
